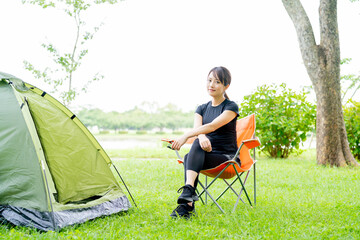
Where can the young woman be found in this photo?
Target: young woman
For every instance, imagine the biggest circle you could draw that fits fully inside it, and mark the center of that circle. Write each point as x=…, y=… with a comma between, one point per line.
x=215, y=128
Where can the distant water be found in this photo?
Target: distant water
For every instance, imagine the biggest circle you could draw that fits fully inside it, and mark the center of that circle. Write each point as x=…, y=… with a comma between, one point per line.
x=128, y=143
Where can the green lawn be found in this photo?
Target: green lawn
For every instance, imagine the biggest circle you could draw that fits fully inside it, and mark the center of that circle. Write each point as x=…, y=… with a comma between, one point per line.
x=296, y=199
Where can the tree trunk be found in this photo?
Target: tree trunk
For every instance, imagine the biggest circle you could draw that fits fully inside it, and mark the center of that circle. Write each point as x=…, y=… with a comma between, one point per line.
x=322, y=63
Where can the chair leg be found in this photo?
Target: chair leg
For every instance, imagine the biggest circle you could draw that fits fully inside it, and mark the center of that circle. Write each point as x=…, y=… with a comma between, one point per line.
x=237, y=202
x=239, y=196
x=242, y=186
x=230, y=186
x=197, y=192
x=246, y=177
x=254, y=181
x=207, y=192
x=206, y=188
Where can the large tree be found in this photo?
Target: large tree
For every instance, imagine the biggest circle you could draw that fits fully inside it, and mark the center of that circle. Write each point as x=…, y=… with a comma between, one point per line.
x=322, y=62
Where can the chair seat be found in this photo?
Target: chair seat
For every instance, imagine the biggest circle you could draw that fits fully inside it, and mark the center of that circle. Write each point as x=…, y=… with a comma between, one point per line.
x=227, y=174
x=229, y=171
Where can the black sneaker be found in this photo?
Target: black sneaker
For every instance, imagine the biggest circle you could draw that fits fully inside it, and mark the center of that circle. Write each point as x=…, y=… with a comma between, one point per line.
x=183, y=211
x=188, y=194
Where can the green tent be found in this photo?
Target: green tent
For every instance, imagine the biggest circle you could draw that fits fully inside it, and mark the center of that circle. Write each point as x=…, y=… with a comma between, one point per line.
x=53, y=172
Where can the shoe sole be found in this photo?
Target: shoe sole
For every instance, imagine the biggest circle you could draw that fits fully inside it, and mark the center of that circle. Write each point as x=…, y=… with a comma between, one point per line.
x=187, y=199
x=184, y=200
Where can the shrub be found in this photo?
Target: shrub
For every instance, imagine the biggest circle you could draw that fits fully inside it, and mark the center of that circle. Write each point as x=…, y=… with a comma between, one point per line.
x=177, y=132
x=141, y=132
x=283, y=118
x=160, y=132
x=352, y=123
x=122, y=132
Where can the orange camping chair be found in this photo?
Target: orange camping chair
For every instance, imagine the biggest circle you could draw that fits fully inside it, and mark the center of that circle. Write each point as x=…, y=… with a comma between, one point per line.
x=246, y=140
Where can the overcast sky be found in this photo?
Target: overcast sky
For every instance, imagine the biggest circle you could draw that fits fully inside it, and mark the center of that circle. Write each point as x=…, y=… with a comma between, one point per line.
x=162, y=50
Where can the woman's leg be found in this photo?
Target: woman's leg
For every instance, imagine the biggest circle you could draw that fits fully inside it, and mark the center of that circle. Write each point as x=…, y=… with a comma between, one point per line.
x=213, y=160
x=193, y=163
x=197, y=159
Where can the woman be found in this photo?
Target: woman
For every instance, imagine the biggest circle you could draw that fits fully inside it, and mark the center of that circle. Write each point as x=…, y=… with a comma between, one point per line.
x=215, y=128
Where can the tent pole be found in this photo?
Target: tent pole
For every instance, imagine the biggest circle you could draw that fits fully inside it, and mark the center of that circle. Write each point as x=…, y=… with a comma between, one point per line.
x=124, y=184
x=49, y=196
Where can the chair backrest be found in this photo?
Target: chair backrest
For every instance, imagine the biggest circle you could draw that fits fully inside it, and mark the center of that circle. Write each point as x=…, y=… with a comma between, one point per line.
x=245, y=129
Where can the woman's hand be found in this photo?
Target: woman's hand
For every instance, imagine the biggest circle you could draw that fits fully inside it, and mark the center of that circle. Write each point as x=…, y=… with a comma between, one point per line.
x=205, y=143
x=177, y=144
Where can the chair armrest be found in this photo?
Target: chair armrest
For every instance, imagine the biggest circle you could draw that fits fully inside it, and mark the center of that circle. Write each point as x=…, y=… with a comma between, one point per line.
x=167, y=140
x=170, y=141
x=252, y=143
x=189, y=141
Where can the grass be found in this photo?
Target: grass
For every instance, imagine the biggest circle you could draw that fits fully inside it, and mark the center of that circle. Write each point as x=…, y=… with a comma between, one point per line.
x=296, y=199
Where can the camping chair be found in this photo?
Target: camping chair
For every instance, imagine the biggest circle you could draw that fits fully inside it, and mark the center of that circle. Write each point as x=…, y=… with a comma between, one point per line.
x=246, y=140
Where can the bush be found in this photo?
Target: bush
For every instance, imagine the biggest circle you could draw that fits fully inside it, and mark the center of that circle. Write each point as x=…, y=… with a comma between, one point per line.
x=352, y=123
x=122, y=132
x=141, y=132
x=177, y=132
x=160, y=133
x=283, y=118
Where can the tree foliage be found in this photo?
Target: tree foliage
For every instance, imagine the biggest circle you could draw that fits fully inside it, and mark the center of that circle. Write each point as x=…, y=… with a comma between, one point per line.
x=352, y=122
x=68, y=62
x=283, y=117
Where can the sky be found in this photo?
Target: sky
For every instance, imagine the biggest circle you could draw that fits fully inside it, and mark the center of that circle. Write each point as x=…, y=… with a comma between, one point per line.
x=160, y=51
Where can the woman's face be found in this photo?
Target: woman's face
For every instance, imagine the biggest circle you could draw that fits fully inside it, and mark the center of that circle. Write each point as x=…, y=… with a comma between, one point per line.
x=215, y=87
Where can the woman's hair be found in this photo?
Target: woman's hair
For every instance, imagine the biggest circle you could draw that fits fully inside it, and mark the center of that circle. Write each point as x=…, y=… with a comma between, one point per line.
x=223, y=74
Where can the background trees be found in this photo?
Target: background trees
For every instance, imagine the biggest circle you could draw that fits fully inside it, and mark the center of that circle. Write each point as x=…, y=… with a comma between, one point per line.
x=169, y=117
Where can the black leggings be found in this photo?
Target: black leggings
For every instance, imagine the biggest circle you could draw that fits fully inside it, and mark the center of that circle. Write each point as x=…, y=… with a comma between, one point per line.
x=197, y=159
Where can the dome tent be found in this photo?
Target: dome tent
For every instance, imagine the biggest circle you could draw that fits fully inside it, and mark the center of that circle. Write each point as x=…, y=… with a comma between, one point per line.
x=53, y=172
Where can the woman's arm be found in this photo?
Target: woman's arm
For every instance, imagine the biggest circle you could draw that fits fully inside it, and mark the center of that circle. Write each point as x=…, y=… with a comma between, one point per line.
x=205, y=143
x=197, y=120
x=218, y=122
